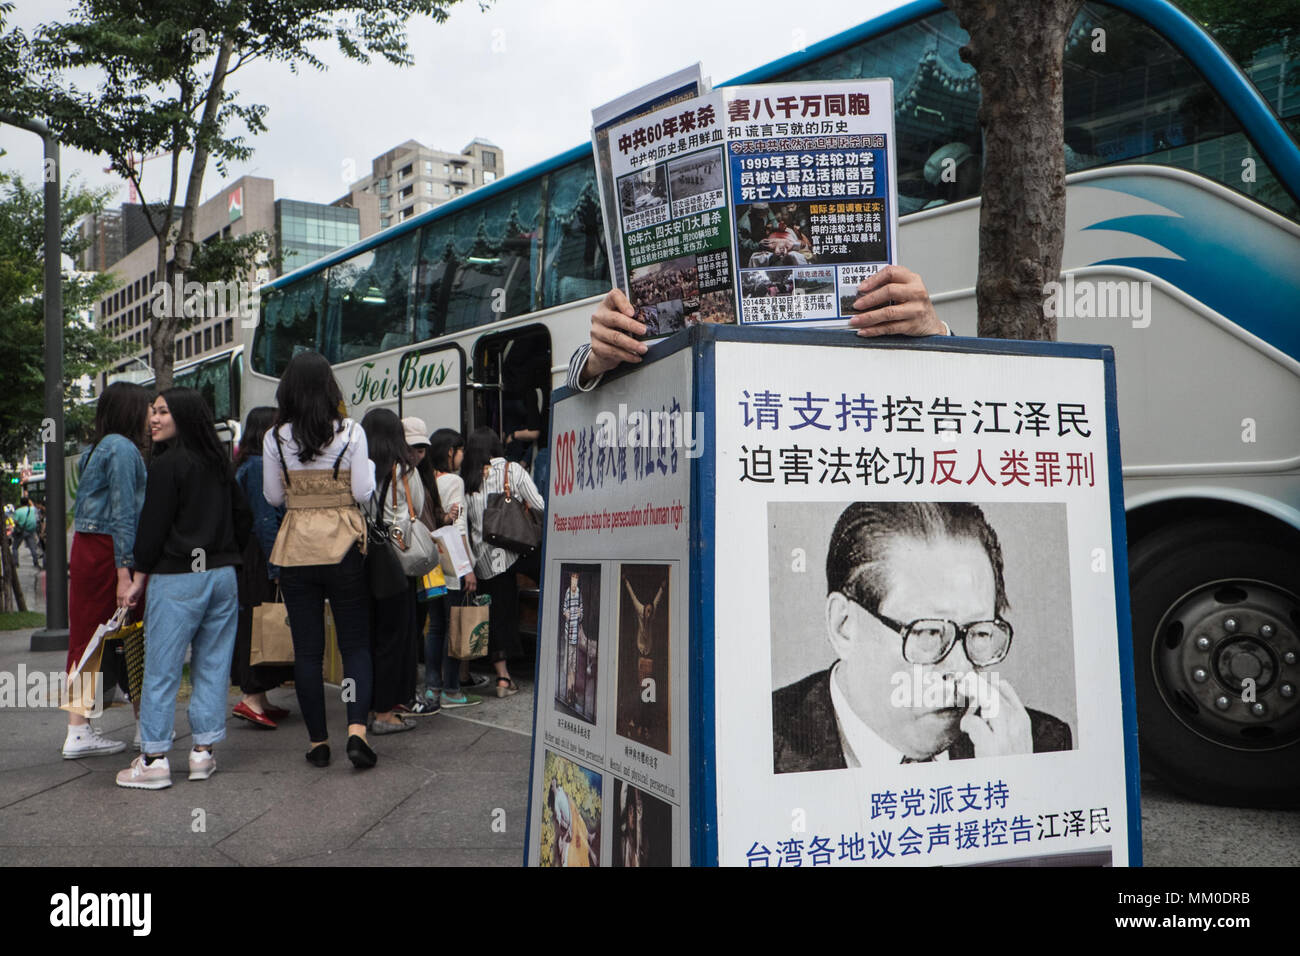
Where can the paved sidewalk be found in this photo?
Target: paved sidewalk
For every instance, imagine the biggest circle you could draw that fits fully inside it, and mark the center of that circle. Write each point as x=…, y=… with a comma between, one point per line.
x=432, y=800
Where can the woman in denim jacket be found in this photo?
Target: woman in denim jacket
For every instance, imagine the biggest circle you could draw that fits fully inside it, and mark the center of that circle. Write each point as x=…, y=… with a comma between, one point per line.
x=110, y=495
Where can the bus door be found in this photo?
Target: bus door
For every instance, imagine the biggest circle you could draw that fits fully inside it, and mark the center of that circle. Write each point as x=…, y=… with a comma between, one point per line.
x=510, y=392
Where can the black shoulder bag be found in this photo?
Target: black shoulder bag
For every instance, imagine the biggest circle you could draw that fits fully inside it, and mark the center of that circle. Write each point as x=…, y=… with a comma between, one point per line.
x=383, y=568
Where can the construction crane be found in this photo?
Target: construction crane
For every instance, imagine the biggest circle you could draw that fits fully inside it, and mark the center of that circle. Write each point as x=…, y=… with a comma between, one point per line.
x=135, y=161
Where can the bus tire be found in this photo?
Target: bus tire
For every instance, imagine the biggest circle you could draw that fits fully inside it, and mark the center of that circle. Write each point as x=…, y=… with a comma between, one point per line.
x=1214, y=604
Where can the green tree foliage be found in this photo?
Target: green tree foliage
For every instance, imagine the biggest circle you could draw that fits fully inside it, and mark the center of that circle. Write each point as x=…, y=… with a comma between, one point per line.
x=86, y=351
x=163, y=70
x=1244, y=27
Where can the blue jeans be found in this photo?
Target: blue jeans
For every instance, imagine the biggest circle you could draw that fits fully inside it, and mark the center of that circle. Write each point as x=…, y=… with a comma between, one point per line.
x=200, y=611
x=436, y=657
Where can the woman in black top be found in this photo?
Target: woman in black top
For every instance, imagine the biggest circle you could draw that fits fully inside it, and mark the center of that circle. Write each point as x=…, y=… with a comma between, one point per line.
x=193, y=529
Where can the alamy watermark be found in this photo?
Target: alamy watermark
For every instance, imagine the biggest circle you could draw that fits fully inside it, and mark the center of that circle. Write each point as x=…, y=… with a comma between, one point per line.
x=1085, y=299
x=32, y=690
x=648, y=428
x=934, y=690
x=206, y=300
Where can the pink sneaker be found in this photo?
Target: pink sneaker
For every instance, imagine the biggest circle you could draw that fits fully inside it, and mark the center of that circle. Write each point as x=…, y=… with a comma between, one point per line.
x=146, y=776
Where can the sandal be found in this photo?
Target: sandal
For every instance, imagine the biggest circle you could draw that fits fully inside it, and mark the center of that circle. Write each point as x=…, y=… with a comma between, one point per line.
x=506, y=687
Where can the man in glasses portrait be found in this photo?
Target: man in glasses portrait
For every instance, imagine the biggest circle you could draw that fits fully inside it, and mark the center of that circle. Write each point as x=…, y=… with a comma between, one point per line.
x=915, y=598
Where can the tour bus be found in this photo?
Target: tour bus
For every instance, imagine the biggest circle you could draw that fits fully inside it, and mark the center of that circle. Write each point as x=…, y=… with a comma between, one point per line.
x=1183, y=210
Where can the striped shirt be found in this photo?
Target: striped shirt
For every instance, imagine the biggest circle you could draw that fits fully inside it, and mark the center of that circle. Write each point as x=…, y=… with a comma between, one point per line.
x=489, y=560
x=572, y=604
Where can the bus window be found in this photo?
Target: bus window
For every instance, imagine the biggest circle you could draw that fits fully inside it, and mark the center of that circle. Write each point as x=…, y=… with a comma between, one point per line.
x=290, y=323
x=480, y=265
x=368, y=295
x=1140, y=101
x=577, y=265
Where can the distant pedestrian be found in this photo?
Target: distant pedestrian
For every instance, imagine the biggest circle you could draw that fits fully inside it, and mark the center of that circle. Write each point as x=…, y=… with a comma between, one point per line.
x=110, y=494
x=193, y=529
x=257, y=578
x=27, y=526
x=316, y=462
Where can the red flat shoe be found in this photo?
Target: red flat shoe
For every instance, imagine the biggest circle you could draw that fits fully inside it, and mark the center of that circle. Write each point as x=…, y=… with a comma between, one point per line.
x=275, y=713
x=244, y=712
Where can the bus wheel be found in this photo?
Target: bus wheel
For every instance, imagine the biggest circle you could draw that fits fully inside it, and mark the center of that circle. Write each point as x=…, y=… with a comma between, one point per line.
x=1216, y=660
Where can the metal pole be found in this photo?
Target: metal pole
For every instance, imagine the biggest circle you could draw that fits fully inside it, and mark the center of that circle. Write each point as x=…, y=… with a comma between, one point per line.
x=54, y=636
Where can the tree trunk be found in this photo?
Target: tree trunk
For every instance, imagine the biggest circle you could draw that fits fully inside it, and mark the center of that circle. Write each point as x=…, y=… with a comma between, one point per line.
x=163, y=340
x=1018, y=49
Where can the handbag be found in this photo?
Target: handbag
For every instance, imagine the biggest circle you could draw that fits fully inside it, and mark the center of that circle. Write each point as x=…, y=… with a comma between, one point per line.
x=272, y=640
x=470, y=625
x=84, y=692
x=384, y=571
x=414, y=541
x=508, y=521
x=133, y=645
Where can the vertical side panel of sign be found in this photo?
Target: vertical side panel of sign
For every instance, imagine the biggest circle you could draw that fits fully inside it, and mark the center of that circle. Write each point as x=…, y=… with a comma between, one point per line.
x=611, y=746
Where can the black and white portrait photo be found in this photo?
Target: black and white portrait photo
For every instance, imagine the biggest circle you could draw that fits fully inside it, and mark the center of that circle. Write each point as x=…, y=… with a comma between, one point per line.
x=909, y=632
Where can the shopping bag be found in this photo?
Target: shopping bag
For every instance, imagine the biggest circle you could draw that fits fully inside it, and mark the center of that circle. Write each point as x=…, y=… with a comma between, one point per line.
x=84, y=693
x=272, y=641
x=133, y=645
x=453, y=552
x=432, y=585
x=469, y=628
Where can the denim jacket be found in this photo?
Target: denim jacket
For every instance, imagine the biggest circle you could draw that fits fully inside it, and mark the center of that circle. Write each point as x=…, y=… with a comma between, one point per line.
x=266, y=517
x=110, y=494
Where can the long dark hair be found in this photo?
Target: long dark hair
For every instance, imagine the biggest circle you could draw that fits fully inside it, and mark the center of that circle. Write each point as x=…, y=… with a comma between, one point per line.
x=123, y=409
x=259, y=420
x=387, y=441
x=442, y=446
x=483, y=445
x=430, y=481
x=310, y=402
x=195, y=432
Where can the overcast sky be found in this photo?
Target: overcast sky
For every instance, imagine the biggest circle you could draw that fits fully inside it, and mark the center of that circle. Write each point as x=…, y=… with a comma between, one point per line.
x=525, y=75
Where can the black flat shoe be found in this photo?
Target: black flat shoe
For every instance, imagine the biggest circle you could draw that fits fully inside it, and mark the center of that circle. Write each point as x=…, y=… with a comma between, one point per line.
x=319, y=756
x=359, y=752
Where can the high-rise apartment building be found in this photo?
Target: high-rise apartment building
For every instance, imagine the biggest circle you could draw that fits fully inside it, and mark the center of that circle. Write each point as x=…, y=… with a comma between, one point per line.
x=412, y=178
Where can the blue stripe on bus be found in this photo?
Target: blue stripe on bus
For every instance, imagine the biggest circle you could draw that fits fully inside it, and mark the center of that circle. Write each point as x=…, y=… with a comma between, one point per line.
x=1227, y=261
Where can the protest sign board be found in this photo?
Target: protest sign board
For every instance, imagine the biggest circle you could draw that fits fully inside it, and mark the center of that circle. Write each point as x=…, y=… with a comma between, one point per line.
x=903, y=563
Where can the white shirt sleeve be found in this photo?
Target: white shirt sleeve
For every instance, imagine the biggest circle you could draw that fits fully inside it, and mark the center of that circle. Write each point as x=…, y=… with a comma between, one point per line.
x=361, y=467
x=523, y=484
x=272, y=476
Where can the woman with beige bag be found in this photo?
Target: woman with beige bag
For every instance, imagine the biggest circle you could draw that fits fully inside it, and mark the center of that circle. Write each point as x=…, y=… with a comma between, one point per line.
x=317, y=463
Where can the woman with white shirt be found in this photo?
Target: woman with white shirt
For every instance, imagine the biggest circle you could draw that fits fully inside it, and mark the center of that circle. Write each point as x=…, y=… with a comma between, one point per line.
x=317, y=463
x=441, y=670
x=484, y=470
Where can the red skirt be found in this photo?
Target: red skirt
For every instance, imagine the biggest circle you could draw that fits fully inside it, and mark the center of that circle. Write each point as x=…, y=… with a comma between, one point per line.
x=92, y=590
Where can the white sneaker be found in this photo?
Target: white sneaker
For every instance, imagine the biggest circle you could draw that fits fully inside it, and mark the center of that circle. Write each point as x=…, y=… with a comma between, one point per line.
x=203, y=764
x=146, y=776
x=85, y=740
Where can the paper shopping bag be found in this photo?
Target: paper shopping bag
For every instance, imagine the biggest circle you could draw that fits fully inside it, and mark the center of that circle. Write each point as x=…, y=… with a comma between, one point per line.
x=469, y=629
x=84, y=693
x=272, y=641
